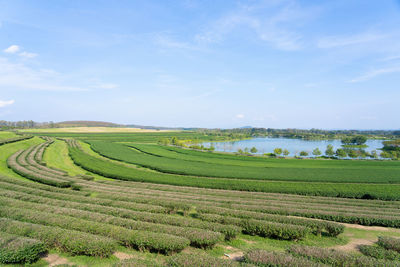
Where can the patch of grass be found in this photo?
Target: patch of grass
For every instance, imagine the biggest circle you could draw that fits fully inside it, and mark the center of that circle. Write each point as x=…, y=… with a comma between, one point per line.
x=7, y=135
x=56, y=156
x=246, y=242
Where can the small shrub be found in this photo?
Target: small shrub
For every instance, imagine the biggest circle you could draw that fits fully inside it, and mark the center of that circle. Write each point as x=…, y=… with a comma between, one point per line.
x=16, y=249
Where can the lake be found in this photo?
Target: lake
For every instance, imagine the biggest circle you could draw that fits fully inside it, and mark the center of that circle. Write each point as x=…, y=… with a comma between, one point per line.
x=294, y=146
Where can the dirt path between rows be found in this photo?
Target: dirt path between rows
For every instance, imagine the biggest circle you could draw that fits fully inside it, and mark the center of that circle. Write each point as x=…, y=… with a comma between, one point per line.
x=54, y=260
x=123, y=256
x=354, y=244
x=371, y=228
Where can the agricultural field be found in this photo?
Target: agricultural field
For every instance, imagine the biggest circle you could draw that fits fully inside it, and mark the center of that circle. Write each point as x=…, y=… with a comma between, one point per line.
x=122, y=199
x=92, y=130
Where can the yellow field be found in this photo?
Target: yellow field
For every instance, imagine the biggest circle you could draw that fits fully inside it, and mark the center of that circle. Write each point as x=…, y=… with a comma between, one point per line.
x=93, y=130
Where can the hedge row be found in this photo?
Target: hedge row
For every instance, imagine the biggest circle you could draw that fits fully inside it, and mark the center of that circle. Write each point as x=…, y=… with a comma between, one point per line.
x=13, y=140
x=190, y=260
x=315, y=226
x=141, y=240
x=73, y=242
x=118, y=171
x=274, y=259
x=17, y=249
x=338, y=258
x=274, y=230
x=379, y=252
x=389, y=243
x=75, y=196
x=198, y=237
x=13, y=164
x=82, y=203
x=350, y=215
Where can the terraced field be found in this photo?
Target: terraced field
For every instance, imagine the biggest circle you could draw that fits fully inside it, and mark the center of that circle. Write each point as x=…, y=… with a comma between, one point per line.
x=103, y=203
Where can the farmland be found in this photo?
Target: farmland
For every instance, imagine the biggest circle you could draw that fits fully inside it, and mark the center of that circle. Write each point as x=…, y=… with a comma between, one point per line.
x=122, y=199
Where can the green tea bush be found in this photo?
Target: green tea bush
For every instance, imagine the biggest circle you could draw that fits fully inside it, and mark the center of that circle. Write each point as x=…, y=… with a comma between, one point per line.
x=265, y=258
x=337, y=258
x=141, y=240
x=389, y=243
x=199, y=260
x=379, y=252
x=274, y=230
x=73, y=242
x=16, y=249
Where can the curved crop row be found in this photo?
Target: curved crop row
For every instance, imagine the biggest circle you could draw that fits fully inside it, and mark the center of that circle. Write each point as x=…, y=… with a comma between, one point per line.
x=73, y=242
x=197, y=237
x=15, y=139
x=141, y=240
x=13, y=163
x=137, y=212
x=117, y=171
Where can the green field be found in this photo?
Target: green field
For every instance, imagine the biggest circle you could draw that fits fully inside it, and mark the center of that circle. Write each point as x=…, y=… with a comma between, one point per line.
x=120, y=199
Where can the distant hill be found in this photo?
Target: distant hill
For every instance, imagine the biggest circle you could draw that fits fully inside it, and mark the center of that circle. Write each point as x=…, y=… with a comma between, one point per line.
x=64, y=124
x=87, y=124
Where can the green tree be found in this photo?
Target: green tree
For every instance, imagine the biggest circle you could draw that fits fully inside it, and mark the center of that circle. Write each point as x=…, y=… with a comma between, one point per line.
x=303, y=153
x=278, y=151
x=385, y=155
x=253, y=150
x=240, y=151
x=316, y=152
x=286, y=152
x=174, y=140
x=329, y=151
x=341, y=153
x=374, y=154
x=352, y=154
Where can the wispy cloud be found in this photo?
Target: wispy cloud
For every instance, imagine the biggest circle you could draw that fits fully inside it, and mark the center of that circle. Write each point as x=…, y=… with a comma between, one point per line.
x=339, y=41
x=240, y=116
x=374, y=73
x=12, y=49
x=6, y=103
x=27, y=54
x=277, y=26
x=21, y=76
x=106, y=86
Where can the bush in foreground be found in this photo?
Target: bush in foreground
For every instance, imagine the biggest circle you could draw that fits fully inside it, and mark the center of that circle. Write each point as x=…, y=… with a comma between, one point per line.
x=16, y=249
x=389, y=243
x=274, y=259
x=189, y=260
x=379, y=252
x=73, y=242
x=337, y=258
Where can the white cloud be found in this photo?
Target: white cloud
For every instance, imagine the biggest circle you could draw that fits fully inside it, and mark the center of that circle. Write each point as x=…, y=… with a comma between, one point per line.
x=339, y=41
x=22, y=76
x=274, y=22
x=27, y=54
x=106, y=86
x=6, y=103
x=240, y=116
x=374, y=73
x=12, y=49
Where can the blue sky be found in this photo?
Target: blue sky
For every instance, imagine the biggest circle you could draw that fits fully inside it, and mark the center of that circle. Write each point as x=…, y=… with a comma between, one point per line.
x=276, y=63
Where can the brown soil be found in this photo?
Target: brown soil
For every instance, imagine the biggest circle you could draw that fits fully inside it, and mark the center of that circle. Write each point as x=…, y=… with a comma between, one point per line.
x=371, y=228
x=54, y=260
x=235, y=254
x=354, y=243
x=123, y=256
